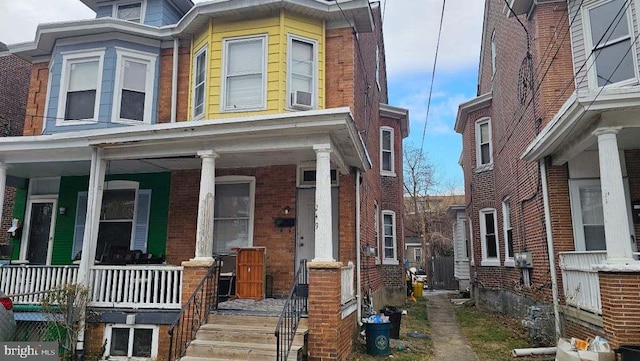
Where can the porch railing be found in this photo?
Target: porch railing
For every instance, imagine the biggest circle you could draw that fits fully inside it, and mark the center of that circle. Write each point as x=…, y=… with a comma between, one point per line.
x=194, y=313
x=348, y=291
x=294, y=308
x=139, y=286
x=580, y=282
x=27, y=285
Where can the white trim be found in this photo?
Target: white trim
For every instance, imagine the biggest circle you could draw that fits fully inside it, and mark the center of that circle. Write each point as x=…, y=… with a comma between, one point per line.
x=385, y=259
x=301, y=183
x=479, y=165
x=392, y=171
x=586, y=28
x=149, y=60
x=493, y=55
x=107, y=341
x=69, y=58
x=24, y=241
x=314, y=80
x=506, y=219
x=251, y=181
x=264, y=39
x=203, y=50
x=143, y=9
x=486, y=260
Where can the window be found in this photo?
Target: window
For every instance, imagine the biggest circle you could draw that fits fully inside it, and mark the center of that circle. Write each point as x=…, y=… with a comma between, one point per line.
x=126, y=341
x=378, y=66
x=233, y=212
x=587, y=214
x=483, y=143
x=302, y=73
x=389, y=253
x=130, y=12
x=199, y=82
x=307, y=177
x=244, y=74
x=376, y=227
x=134, y=87
x=508, y=233
x=471, y=249
x=493, y=54
x=386, y=151
x=80, y=84
x=489, y=237
x=609, y=38
x=417, y=255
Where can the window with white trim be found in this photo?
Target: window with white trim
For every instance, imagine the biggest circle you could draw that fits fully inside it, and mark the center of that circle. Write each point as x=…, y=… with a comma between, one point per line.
x=389, y=245
x=80, y=86
x=129, y=11
x=417, y=255
x=489, y=237
x=587, y=214
x=608, y=36
x=493, y=54
x=484, y=156
x=124, y=342
x=387, y=166
x=134, y=86
x=508, y=233
x=302, y=74
x=471, y=246
x=199, y=82
x=376, y=227
x=244, y=79
x=233, y=212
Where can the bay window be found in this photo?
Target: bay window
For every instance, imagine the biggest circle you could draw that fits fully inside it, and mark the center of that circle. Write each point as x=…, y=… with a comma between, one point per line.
x=244, y=84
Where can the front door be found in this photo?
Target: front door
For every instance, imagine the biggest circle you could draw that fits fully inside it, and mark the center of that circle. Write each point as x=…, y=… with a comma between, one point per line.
x=38, y=237
x=305, y=229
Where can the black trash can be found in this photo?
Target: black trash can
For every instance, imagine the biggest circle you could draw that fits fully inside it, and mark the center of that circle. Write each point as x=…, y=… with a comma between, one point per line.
x=628, y=352
x=395, y=317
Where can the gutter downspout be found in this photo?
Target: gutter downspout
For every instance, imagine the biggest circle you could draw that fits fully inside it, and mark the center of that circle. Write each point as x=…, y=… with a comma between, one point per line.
x=552, y=261
x=174, y=81
x=358, y=251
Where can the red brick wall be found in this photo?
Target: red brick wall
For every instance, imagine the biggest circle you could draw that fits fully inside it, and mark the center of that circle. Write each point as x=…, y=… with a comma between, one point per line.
x=573, y=329
x=36, y=99
x=166, y=74
x=620, y=293
x=326, y=340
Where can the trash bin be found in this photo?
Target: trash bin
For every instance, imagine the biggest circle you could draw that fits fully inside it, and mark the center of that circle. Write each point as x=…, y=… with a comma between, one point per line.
x=417, y=289
x=377, y=335
x=628, y=353
x=395, y=317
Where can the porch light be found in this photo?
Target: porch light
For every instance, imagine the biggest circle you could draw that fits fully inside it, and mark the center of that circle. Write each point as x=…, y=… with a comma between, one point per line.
x=62, y=211
x=286, y=210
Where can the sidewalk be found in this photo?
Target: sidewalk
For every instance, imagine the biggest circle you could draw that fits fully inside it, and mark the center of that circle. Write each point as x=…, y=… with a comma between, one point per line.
x=448, y=342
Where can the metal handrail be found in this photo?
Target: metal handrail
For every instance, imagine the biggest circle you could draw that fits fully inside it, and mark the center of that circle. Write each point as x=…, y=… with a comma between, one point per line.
x=293, y=310
x=194, y=313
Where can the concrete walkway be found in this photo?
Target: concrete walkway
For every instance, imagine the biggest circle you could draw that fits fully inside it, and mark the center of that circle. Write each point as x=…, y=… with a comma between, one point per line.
x=448, y=342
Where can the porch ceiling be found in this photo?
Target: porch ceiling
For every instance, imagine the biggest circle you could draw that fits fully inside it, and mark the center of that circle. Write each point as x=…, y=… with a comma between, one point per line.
x=240, y=142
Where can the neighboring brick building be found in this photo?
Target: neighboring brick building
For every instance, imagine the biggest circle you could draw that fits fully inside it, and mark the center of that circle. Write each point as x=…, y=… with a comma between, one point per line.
x=550, y=170
x=273, y=114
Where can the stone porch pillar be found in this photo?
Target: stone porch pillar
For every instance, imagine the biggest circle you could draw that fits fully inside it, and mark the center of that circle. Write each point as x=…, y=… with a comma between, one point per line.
x=204, y=232
x=614, y=205
x=323, y=219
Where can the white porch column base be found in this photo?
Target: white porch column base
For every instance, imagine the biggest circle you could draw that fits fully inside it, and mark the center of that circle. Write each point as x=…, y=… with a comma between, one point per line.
x=614, y=206
x=204, y=232
x=323, y=219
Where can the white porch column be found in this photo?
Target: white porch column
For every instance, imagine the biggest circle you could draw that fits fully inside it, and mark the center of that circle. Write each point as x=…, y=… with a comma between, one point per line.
x=3, y=184
x=323, y=219
x=614, y=205
x=204, y=234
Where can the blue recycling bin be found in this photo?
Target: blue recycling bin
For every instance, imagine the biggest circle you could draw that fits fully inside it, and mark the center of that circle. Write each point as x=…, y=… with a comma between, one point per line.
x=377, y=335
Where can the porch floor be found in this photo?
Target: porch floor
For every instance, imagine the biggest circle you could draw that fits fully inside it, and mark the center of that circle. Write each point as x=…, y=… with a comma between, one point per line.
x=265, y=307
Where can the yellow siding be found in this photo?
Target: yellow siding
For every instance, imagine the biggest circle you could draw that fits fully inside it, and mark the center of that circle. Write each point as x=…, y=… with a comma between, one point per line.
x=276, y=28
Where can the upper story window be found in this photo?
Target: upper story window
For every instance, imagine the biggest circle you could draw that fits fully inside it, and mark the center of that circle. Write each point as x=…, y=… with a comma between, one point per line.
x=129, y=11
x=390, y=248
x=608, y=35
x=386, y=152
x=134, y=87
x=484, y=156
x=508, y=233
x=80, y=86
x=302, y=73
x=493, y=53
x=244, y=80
x=489, y=237
x=199, y=82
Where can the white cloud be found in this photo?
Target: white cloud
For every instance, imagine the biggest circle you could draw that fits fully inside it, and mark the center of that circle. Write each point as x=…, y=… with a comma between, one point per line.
x=411, y=34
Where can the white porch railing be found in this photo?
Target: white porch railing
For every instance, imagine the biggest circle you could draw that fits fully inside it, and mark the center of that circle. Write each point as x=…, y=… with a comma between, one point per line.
x=348, y=291
x=580, y=282
x=28, y=284
x=136, y=286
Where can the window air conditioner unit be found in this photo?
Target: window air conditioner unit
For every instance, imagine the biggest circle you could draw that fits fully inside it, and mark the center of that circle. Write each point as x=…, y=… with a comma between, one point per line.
x=301, y=100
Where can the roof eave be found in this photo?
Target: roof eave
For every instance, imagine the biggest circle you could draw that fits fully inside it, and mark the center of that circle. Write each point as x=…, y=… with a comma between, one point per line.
x=469, y=106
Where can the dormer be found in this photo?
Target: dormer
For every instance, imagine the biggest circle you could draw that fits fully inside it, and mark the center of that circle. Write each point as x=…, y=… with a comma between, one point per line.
x=148, y=12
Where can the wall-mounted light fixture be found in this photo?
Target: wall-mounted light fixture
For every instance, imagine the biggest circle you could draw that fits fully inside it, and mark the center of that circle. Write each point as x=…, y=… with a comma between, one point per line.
x=62, y=211
x=286, y=210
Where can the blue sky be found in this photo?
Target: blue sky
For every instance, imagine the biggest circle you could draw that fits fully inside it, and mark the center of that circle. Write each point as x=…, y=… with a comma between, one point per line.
x=410, y=28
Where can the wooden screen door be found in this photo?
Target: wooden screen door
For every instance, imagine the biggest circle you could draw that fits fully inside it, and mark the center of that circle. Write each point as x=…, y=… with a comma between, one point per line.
x=250, y=273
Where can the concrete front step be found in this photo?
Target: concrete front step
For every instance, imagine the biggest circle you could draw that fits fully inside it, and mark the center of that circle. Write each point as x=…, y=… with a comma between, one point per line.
x=226, y=350
x=225, y=319
x=246, y=333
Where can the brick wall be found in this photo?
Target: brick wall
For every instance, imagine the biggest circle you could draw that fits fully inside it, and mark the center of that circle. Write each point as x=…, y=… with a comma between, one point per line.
x=577, y=330
x=166, y=74
x=325, y=315
x=36, y=99
x=619, y=293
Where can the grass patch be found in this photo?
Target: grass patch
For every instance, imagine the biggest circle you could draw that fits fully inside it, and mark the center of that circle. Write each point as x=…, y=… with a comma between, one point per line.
x=492, y=336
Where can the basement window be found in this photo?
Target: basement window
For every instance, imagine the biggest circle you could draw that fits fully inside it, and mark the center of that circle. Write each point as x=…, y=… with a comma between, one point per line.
x=124, y=342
